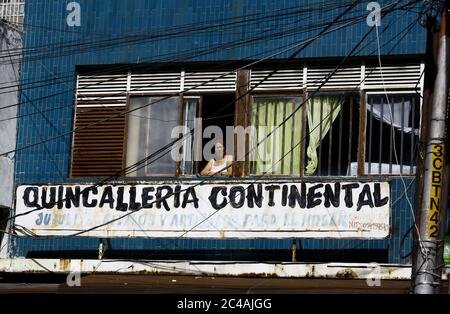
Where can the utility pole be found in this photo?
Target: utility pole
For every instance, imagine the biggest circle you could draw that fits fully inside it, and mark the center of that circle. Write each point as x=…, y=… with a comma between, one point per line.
x=432, y=176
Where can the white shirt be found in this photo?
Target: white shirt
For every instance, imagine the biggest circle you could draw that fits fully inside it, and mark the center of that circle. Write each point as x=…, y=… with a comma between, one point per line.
x=217, y=169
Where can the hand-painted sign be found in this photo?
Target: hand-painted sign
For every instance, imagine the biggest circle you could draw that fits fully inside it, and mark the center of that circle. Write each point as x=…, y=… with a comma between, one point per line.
x=228, y=210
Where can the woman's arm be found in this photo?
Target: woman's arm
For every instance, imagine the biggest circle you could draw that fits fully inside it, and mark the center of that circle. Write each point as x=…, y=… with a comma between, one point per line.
x=206, y=171
x=230, y=168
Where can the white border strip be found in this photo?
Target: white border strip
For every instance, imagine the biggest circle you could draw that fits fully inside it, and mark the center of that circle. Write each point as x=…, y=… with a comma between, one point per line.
x=216, y=268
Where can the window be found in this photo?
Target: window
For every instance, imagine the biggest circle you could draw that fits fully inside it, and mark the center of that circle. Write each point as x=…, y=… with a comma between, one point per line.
x=320, y=139
x=153, y=126
x=191, y=107
x=332, y=135
x=392, y=133
x=276, y=150
x=149, y=141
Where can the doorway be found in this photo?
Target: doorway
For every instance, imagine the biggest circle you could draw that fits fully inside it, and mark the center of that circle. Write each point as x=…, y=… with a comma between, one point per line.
x=217, y=110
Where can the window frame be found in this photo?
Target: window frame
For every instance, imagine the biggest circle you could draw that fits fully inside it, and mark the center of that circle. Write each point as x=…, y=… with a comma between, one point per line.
x=361, y=164
x=291, y=93
x=243, y=118
x=181, y=113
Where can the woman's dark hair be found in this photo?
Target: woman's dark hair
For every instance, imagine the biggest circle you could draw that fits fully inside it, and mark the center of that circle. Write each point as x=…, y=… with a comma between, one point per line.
x=224, y=147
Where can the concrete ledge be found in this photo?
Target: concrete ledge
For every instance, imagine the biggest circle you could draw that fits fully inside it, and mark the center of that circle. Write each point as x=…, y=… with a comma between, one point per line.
x=212, y=268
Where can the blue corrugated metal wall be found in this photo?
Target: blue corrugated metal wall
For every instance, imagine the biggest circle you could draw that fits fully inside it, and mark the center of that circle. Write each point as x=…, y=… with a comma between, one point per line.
x=102, y=21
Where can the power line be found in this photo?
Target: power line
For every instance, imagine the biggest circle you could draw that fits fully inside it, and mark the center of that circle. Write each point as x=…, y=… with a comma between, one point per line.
x=228, y=45
x=171, y=194
x=164, y=98
x=195, y=27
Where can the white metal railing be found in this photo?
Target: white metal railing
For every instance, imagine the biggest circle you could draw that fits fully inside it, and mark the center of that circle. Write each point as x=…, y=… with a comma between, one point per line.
x=12, y=11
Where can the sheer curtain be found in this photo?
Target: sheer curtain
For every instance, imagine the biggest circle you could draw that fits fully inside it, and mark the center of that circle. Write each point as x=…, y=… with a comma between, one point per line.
x=322, y=111
x=396, y=112
x=149, y=129
x=280, y=152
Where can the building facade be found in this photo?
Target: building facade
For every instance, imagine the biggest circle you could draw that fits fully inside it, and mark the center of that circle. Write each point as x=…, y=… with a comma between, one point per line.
x=331, y=104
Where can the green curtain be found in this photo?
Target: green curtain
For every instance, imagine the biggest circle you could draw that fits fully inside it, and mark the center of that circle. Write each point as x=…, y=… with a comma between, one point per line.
x=276, y=155
x=322, y=111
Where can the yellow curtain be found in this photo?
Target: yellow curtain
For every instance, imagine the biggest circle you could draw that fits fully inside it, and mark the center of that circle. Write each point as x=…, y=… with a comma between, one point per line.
x=280, y=152
x=322, y=111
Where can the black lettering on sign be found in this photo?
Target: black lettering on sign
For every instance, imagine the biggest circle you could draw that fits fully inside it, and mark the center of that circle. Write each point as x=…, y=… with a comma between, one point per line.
x=146, y=197
x=176, y=201
x=52, y=197
x=434, y=217
x=162, y=198
x=313, y=198
x=284, y=195
x=436, y=177
x=296, y=197
x=190, y=197
x=437, y=163
x=365, y=198
x=348, y=198
x=438, y=150
x=332, y=197
x=27, y=197
x=254, y=197
x=434, y=203
x=271, y=189
x=234, y=192
x=85, y=196
x=377, y=200
x=60, y=200
x=134, y=206
x=121, y=205
x=213, y=197
x=433, y=231
x=107, y=197
x=73, y=198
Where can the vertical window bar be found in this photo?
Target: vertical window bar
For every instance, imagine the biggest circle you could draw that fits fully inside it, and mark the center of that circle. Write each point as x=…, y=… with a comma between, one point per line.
x=319, y=164
x=413, y=115
x=401, y=135
x=255, y=144
x=291, y=167
x=284, y=134
x=265, y=135
x=341, y=114
x=391, y=114
x=370, y=135
x=380, y=144
x=350, y=132
x=331, y=137
x=148, y=115
x=276, y=130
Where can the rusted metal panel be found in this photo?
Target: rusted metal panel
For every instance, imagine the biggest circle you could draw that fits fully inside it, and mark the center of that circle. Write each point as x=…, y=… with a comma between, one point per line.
x=98, y=142
x=332, y=209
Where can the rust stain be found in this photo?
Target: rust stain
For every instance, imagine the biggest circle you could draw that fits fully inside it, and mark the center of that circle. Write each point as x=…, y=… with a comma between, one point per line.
x=65, y=264
x=346, y=274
